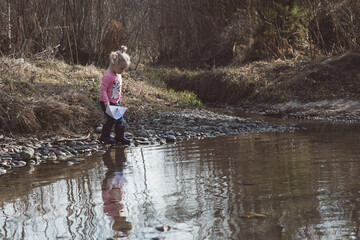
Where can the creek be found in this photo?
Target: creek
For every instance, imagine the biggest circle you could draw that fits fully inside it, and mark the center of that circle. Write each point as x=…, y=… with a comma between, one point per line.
x=292, y=185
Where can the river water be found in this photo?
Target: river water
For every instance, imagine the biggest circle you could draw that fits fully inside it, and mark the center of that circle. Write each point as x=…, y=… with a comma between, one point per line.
x=302, y=185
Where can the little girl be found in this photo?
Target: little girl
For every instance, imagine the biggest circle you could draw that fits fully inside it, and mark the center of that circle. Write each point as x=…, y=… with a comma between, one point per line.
x=111, y=94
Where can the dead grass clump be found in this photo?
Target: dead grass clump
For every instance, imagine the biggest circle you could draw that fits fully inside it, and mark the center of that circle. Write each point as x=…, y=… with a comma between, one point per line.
x=52, y=114
x=67, y=113
x=16, y=115
x=85, y=110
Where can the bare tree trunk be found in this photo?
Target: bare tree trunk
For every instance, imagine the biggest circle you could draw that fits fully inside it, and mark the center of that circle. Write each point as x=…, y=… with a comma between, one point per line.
x=9, y=23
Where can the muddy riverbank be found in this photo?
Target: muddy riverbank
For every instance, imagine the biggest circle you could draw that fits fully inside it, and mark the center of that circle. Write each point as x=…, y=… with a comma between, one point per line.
x=170, y=127
x=340, y=110
x=153, y=129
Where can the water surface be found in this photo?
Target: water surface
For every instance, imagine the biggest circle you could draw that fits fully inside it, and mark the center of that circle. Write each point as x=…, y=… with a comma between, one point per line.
x=306, y=183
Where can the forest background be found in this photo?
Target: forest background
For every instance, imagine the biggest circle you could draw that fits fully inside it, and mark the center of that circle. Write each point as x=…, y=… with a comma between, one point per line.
x=191, y=33
x=248, y=52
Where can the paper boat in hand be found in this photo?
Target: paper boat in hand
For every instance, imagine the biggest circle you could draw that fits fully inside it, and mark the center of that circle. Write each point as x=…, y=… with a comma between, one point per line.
x=115, y=112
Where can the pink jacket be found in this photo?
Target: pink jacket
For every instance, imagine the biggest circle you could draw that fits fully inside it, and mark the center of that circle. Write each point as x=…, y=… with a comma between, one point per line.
x=111, y=88
x=112, y=198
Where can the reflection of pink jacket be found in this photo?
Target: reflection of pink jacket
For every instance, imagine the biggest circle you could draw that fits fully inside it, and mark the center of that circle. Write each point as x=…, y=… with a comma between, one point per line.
x=111, y=88
x=112, y=196
x=112, y=202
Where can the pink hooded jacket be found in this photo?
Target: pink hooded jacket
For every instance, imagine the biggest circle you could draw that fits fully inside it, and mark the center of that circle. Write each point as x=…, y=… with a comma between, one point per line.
x=111, y=88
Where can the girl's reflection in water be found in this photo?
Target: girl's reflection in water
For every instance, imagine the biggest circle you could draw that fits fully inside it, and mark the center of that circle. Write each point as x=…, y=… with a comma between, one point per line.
x=112, y=191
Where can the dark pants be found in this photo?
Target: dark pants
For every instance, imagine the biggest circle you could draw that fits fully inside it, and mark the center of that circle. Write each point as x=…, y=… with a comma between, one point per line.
x=106, y=129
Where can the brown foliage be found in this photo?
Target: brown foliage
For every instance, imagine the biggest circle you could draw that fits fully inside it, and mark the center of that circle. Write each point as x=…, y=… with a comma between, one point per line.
x=203, y=33
x=113, y=37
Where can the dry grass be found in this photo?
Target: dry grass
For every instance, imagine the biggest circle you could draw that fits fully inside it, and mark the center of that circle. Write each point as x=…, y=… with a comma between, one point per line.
x=52, y=97
x=46, y=96
x=67, y=113
x=274, y=82
x=16, y=114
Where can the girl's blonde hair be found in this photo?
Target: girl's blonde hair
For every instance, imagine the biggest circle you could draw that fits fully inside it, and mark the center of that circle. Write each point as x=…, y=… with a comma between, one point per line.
x=119, y=57
x=123, y=48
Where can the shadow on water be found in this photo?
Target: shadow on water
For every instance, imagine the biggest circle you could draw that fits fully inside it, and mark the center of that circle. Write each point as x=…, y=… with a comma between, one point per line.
x=302, y=185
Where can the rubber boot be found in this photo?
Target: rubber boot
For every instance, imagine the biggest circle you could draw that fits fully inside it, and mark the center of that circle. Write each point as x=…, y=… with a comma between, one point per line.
x=105, y=134
x=119, y=134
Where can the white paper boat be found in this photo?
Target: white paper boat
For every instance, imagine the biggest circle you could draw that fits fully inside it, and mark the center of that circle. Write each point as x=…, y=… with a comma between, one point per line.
x=115, y=112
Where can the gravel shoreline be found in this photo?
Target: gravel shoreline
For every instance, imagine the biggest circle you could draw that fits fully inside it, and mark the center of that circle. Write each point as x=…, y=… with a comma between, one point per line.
x=160, y=128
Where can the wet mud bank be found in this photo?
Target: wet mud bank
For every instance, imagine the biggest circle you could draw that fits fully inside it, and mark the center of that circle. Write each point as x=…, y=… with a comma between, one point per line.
x=341, y=110
x=158, y=128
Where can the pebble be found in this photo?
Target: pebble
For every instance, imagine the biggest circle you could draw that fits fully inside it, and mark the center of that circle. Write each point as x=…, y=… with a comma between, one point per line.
x=32, y=162
x=78, y=159
x=164, y=228
x=160, y=128
x=2, y=171
x=52, y=157
x=19, y=163
x=170, y=138
x=27, y=153
x=100, y=152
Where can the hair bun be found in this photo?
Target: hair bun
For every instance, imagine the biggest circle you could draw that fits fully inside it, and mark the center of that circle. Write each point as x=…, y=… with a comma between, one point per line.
x=113, y=55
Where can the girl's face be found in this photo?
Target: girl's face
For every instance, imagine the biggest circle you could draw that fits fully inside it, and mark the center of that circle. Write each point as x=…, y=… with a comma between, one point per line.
x=118, y=68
